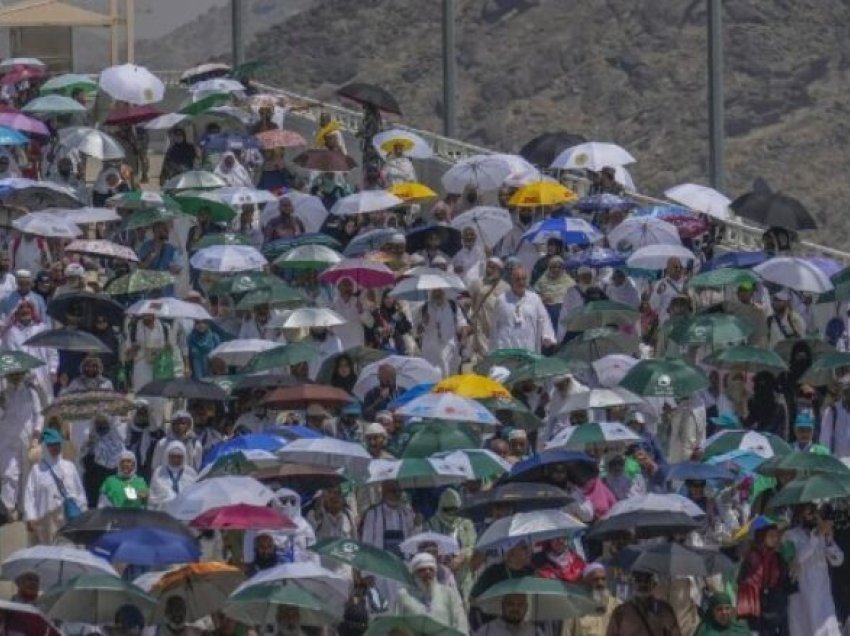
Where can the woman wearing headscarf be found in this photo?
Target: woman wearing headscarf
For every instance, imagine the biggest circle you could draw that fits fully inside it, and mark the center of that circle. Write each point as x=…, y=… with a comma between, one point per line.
x=391, y=329
x=124, y=489
x=767, y=412
x=720, y=619
x=447, y=521
x=172, y=477
x=233, y=172
x=291, y=546
x=100, y=455
x=179, y=158
x=26, y=323
x=344, y=376
x=109, y=183
x=552, y=286
x=202, y=340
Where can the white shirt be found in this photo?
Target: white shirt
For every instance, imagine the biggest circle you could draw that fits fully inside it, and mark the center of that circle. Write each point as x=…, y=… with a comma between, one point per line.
x=836, y=437
x=351, y=333
x=521, y=323
x=662, y=293
x=42, y=496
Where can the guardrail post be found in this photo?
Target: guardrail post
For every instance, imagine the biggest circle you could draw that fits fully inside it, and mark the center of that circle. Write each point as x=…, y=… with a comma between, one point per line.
x=449, y=70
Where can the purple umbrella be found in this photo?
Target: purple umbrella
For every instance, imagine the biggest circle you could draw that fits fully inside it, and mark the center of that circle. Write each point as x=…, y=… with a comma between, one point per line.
x=828, y=266
x=23, y=123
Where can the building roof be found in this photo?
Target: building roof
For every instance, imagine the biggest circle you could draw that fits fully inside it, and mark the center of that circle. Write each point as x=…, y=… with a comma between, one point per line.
x=32, y=13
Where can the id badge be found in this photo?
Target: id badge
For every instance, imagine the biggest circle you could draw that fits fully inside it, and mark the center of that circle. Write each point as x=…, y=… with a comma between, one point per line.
x=130, y=492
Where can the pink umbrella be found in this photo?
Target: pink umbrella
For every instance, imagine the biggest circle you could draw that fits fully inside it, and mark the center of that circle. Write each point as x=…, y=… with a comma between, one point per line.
x=688, y=226
x=364, y=273
x=280, y=139
x=23, y=123
x=21, y=73
x=242, y=517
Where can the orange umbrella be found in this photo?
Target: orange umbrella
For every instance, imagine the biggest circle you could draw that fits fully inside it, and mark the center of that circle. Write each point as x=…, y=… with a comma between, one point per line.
x=280, y=139
x=412, y=191
x=472, y=386
x=205, y=587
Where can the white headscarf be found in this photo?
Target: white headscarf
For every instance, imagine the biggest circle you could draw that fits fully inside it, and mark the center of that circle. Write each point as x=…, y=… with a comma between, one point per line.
x=101, y=186
x=237, y=175
x=293, y=512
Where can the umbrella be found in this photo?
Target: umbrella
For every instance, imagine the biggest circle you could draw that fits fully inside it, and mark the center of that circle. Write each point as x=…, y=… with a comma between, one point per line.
x=542, y=368
x=278, y=138
x=204, y=586
x=415, y=472
x=92, y=142
x=298, y=397
x=327, y=451
x=643, y=524
x=325, y=161
x=242, y=517
x=224, y=238
x=364, y=273
x=446, y=545
x=91, y=305
x=279, y=294
x=764, y=444
x=671, y=560
x=541, y=193
x=807, y=463
x=597, y=343
x=655, y=257
x=89, y=526
x=409, y=372
x=448, y=406
x=259, y=604
x=12, y=362
x=604, y=202
x=593, y=435
x=412, y=144
x=417, y=238
x=795, y=273
x=723, y=277
x=183, y=388
x=635, y=507
x=47, y=225
x=241, y=195
x=23, y=618
x=146, y=218
x=203, y=72
x=67, y=83
x=168, y=308
x=105, y=249
x=773, y=209
x=542, y=150
x=412, y=192
x=333, y=588
x=132, y=84
x=368, y=241
x=817, y=346
x=747, y=358
x=517, y=497
x=68, y=340
x=11, y=62
x=637, y=232
x=200, y=103
x=215, y=493
x=88, y=216
x=602, y=313
x=23, y=124
x=548, y=600
x=228, y=258
x=278, y=247
x=359, y=356
x=713, y=330
x=54, y=564
x=194, y=180
x=512, y=412
x=143, y=200
x=536, y=467
x=250, y=442
x=472, y=386
x=611, y=369
x=365, y=558
x=53, y=105
x=592, y=155
x=223, y=142
x=812, y=489
x=281, y=356
x=207, y=203
x=482, y=172
x=421, y=625
x=684, y=471
x=309, y=257
x=701, y=199
x=81, y=405
x=740, y=260
x=146, y=546
x=569, y=230
x=491, y=224
x=481, y=463
x=596, y=258
x=238, y=353
x=529, y=526
x=371, y=95
x=131, y=115
x=364, y=202
x=825, y=368
x=310, y=211
x=11, y=137
x=670, y=378
x=139, y=281
x=306, y=317
x=36, y=195
x=93, y=599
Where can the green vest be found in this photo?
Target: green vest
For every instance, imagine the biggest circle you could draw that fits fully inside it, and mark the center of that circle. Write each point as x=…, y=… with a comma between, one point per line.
x=119, y=490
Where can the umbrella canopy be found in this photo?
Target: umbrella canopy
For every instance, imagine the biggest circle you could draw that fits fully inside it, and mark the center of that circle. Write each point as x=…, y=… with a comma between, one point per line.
x=414, y=472
x=278, y=294
x=12, y=362
x=105, y=249
x=87, y=216
x=139, y=281
x=472, y=386
x=671, y=560
x=691, y=470
x=481, y=463
x=146, y=546
x=132, y=84
x=183, y=388
x=11, y=137
x=723, y=277
x=795, y=273
x=168, y=308
x=537, y=466
x=637, y=232
x=365, y=558
x=333, y=588
x=517, y=496
x=240, y=195
x=602, y=313
x=67, y=83
x=748, y=359
x=543, y=368
x=446, y=545
x=23, y=124
x=92, y=142
x=713, y=330
x=305, y=317
x=259, y=604
x=23, y=618
x=569, y=230
x=131, y=115
x=204, y=586
x=448, y=406
x=238, y=353
x=592, y=155
x=329, y=452
x=491, y=224
x=215, y=493
x=611, y=369
x=597, y=343
x=309, y=257
x=279, y=138
x=548, y=600
x=93, y=599
x=412, y=145
x=194, y=180
x=812, y=489
x=143, y=200
x=36, y=195
x=773, y=209
x=223, y=238
x=250, y=442
x=47, y=225
x=203, y=72
x=371, y=95
x=412, y=192
x=86, y=404
x=53, y=105
x=146, y=218
x=224, y=142
x=667, y=504
x=669, y=378
x=596, y=434
x=205, y=203
x=542, y=150
x=826, y=367
x=310, y=210
x=655, y=257
x=87, y=306
x=530, y=526
x=364, y=273
x=482, y=172
x=54, y=564
x=764, y=444
x=281, y=356
x=421, y=625
x=540, y=194
x=228, y=258
x=89, y=526
x=68, y=340
x=701, y=199
x=242, y=517
x=364, y=202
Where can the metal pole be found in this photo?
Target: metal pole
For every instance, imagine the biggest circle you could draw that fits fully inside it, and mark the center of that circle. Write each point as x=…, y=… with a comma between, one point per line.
x=236, y=32
x=449, y=70
x=131, y=31
x=717, y=171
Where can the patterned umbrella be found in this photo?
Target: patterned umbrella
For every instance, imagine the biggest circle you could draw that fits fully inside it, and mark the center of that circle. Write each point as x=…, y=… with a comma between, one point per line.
x=12, y=362
x=106, y=249
x=139, y=281
x=83, y=405
x=280, y=138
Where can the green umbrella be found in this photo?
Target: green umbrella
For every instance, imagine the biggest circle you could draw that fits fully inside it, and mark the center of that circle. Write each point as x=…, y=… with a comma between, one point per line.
x=222, y=239
x=258, y=605
x=314, y=257
x=484, y=464
x=279, y=295
x=246, y=69
x=194, y=203
x=196, y=107
x=146, y=218
x=143, y=200
x=818, y=347
x=274, y=249
x=543, y=368
x=826, y=368
x=667, y=378
x=232, y=464
x=17, y=362
x=512, y=412
x=416, y=472
x=811, y=489
x=808, y=463
x=594, y=344
x=359, y=356
x=747, y=358
x=94, y=599
x=421, y=625
x=67, y=83
x=508, y=358
x=434, y=437
x=365, y=558
x=841, y=281
x=548, y=599
x=243, y=283
x=766, y=445
x=713, y=330
x=282, y=357
x=726, y=276
x=53, y=105
x=602, y=313
x=138, y=281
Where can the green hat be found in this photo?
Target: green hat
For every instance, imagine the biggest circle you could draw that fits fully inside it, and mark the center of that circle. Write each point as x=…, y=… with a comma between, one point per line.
x=720, y=598
x=51, y=436
x=746, y=285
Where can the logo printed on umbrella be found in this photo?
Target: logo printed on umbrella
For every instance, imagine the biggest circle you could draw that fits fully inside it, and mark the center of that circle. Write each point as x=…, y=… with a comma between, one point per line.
x=701, y=332
x=345, y=551
x=664, y=383
x=580, y=159
x=148, y=94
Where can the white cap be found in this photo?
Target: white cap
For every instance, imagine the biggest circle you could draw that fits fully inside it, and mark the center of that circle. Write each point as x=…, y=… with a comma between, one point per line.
x=782, y=294
x=421, y=561
x=495, y=260
x=499, y=374
x=375, y=429
x=23, y=273
x=74, y=269
x=590, y=568
x=517, y=433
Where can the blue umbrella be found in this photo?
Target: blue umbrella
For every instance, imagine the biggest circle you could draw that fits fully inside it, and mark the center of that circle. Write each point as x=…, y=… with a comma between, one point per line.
x=740, y=260
x=296, y=431
x=369, y=241
x=254, y=441
x=146, y=546
x=603, y=203
x=596, y=258
x=663, y=211
x=535, y=467
x=746, y=461
x=569, y=230
x=684, y=471
x=411, y=394
x=12, y=137
x=222, y=142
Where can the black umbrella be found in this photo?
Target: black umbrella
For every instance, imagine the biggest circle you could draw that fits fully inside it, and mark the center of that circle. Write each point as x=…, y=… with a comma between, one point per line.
x=773, y=209
x=39, y=197
x=643, y=524
x=359, y=356
x=325, y=161
x=68, y=340
x=89, y=526
x=417, y=238
x=520, y=496
x=542, y=150
x=370, y=94
x=671, y=560
x=88, y=306
x=183, y=388
x=265, y=381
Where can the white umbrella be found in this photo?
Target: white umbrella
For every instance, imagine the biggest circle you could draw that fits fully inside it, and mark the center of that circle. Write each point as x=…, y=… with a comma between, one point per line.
x=85, y=216
x=327, y=451
x=483, y=172
x=228, y=258
x=446, y=545
x=702, y=199
x=194, y=180
x=652, y=502
x=305, y=574
x=307, y=208
x=624, y=178
x=216, y=492
x=530, y=526
x=166, y=121
x=613, y=368
x=54, y=564
x=217, y=85
x=21, y=61
x=418, y=473
x=46, y=224
x=364, y=202
x=131, y=83
x=305, y=317
x=169, y=308
x=637, y=232
x=593, y=155
x=203, y=69
x=412, y=287
x=409, y=370
x=491, y=224
x=414, y=146
x=238, y=353
x=599, y=399
x=92, y=142
x=104, y=248
x=243, y=196
x=593, y=434
x=448, y=406
x=655, y=257
x=795, y=273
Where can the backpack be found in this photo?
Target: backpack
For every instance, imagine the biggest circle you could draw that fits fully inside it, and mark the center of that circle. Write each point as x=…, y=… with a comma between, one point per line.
x=134, y=328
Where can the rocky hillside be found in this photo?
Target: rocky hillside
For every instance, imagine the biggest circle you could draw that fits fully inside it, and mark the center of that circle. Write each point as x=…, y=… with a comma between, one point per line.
x=629, y=71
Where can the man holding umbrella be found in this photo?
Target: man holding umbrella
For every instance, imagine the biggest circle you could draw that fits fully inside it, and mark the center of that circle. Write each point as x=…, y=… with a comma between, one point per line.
x=512, y=621
x=643, y=614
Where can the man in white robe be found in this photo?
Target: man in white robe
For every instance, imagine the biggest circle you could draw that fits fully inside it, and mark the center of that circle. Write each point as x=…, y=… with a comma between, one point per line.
x=25, y=324
x=512, y=622
x=521, y=319
x=441, y=326
x=387, y=524
x=91, y=378
x=350, y=306
x=148, y=339
x=172, y=477
x=467, y=261
x=574, y=299
x=668, y=288
x=20, y=427
x=484, y=294
x=327, y=343
x=429, y=598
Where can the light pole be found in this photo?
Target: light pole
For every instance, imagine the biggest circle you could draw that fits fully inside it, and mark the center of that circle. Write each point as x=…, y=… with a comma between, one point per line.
x=717, y=173
x=236, y=32
x=449, y=70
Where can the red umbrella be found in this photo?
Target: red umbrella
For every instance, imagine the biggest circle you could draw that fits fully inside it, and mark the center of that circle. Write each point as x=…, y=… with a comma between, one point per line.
x=298, y=397
x=325, y=161
x=688, y=226
x=364, y=273
x=131, y=114
x=270, y=139
x=23, y=123
x=21, y=73
x=242, y=517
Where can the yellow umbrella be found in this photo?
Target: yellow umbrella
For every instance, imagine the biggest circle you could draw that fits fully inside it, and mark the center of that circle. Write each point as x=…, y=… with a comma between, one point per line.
x=412, y=191
x=541, y=193
x=472, y=386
